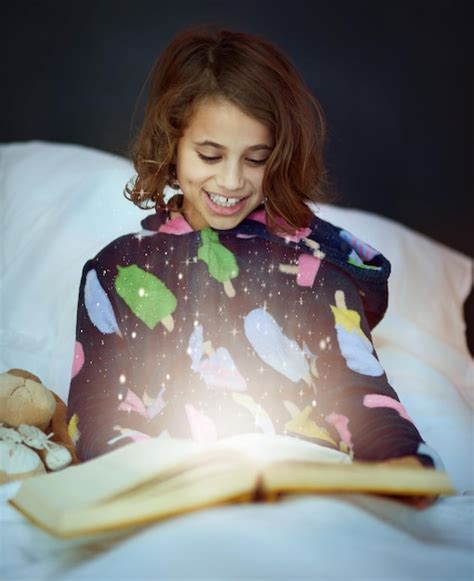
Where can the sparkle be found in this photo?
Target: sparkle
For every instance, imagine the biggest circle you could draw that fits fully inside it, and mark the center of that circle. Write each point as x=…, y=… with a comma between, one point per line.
x=322, y=344
x=313, y=403
x=234, y=332
x=147, y=266
x=180, y=276
x=141, y=292
x=134, y=335
x=122, y=379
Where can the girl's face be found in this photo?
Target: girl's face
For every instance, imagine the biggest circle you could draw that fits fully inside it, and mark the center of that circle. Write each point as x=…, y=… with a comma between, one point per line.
x=220, y=162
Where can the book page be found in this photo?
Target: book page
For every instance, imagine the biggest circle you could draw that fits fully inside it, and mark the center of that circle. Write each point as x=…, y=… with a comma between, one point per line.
x=200, y=487
x=370, y=477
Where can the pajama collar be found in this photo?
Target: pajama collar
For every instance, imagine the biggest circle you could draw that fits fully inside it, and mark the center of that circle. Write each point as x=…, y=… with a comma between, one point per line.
x=366, y=266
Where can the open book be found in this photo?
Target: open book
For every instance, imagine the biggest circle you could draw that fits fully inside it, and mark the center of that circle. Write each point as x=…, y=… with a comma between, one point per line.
x=158, y=478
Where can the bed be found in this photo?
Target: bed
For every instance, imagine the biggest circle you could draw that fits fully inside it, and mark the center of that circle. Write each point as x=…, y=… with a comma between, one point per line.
x=61, y=203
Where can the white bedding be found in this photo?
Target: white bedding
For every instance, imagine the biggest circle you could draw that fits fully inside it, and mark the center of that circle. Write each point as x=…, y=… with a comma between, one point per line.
x=59, y=205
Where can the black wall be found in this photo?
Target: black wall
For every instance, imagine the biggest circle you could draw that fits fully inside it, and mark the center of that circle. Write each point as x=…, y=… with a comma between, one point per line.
x=393, y=78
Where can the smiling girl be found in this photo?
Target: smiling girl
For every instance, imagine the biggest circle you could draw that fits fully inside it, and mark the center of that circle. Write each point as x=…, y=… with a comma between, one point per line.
x=236, y=308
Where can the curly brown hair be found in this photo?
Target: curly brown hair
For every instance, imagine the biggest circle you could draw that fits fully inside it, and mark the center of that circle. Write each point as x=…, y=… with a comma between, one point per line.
x=250, y=72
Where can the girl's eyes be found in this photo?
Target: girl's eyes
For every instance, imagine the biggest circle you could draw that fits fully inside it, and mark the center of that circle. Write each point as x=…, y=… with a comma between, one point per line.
x=213, y=159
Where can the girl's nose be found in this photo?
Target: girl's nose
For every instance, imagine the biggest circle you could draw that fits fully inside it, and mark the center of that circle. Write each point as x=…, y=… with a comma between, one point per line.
x=230, y=178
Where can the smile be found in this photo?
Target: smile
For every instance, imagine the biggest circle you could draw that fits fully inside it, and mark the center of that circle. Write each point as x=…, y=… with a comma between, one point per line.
x=224, y=201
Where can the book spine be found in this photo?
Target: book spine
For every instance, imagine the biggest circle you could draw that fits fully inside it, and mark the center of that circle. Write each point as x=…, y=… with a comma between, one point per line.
x=262, y=494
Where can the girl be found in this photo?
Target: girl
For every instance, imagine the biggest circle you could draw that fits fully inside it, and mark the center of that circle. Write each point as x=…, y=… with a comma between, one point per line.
x=235, y=309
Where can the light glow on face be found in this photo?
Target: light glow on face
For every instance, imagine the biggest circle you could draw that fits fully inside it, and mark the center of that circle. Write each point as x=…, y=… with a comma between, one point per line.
x=223, y=151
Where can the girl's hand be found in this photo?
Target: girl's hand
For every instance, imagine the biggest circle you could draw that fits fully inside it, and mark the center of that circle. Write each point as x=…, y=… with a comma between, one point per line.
x=419, y=502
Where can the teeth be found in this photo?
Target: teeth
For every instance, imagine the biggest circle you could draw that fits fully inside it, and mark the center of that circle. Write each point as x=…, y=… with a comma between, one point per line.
x=223, y=201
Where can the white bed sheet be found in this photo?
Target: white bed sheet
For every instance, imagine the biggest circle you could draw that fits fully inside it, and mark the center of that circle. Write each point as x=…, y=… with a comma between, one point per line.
x=302, y=537
x=59, y=205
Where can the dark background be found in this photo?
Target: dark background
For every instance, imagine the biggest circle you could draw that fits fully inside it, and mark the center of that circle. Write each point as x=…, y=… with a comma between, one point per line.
x=394, y=80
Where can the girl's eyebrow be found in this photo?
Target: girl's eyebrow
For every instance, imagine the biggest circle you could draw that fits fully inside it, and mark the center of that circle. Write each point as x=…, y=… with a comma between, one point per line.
x=219, y=146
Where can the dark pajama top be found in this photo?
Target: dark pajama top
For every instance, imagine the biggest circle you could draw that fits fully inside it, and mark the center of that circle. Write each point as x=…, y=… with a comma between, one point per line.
x=207, y=334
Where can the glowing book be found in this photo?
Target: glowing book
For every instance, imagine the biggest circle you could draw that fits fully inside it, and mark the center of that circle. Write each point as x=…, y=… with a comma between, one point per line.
x=158, y=478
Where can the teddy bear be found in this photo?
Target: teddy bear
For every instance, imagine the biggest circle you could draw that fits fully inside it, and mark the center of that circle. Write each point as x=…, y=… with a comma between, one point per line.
x=33, y=431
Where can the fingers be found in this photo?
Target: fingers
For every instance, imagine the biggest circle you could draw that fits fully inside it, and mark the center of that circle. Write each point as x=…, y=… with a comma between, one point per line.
x=419, y=502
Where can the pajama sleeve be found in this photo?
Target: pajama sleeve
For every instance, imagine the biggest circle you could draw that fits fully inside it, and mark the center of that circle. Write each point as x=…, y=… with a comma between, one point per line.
x=101, y=370
x=358, y=400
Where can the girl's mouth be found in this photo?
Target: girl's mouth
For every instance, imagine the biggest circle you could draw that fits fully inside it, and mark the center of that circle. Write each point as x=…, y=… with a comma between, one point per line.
x=222, y=205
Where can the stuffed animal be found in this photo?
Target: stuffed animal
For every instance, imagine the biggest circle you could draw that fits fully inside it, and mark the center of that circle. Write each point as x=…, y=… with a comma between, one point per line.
x=33, y=430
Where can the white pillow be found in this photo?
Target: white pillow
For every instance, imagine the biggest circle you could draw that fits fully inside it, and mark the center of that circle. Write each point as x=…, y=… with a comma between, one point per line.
x=60, y=204
x=437, y=410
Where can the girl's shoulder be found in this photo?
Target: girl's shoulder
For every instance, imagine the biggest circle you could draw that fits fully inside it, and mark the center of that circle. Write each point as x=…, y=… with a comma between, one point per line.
x=368, y=268
x=348, y=251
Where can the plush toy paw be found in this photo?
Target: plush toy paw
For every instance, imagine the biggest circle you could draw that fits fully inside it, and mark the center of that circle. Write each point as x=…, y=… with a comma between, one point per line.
x=26, y=450
x=53, y=455
x=17, y=461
